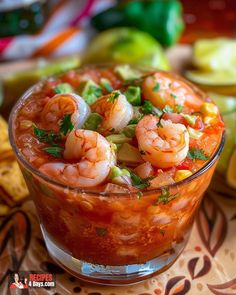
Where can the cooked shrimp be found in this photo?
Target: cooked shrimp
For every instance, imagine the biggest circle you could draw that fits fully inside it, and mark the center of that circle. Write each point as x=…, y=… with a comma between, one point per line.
x=163, y=146
x=117, y=112
x=161, y=89
x=92, y=156
x=62, y=104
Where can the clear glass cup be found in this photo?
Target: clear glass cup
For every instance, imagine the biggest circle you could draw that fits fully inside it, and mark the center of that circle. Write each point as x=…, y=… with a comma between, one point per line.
x=114, y=238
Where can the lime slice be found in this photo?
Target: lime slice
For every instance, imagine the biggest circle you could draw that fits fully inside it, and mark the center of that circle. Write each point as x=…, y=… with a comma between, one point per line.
x=225, y=103
x=230, y=142
x=126, y=45
x=226, y=77
x=231, y=172
x=217, y=54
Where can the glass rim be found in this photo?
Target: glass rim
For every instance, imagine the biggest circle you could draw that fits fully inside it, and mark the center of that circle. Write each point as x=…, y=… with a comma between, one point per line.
x=47, y=179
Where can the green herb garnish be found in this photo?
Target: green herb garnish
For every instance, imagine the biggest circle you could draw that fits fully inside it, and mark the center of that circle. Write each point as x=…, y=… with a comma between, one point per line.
x=113, y=96
x=173, y=95
x=101, y=231
x=55, y=151
x=66, y=125
x=179, y=108
x=156, y=87
x=137, y=181
x=165, y=197
x=148, y=108
x=47, y=136
x=196, y=153
x=168, y=109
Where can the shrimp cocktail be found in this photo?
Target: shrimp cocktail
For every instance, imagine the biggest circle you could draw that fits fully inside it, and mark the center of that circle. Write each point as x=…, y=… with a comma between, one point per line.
x=117, y=159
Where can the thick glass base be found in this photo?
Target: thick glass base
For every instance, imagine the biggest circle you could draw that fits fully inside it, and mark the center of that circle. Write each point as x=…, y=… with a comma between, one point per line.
x=112, y=275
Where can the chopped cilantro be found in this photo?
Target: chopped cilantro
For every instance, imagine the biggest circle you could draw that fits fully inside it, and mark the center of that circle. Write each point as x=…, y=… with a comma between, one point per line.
x=168, y=109
x=196, y=153
x=179, y=108
x=148, y=108
x=137, y=181
x=134, y=121
x=101, y=231
x=66, y=124
x=55, y=151
x=173, y=95
x=165, y=197
x=156, y=87
x=113, y=96
x=92, y=93
x=45, y=135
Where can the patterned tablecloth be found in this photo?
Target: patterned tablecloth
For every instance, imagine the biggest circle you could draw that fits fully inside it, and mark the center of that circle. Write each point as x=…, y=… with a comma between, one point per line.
x=206, y=266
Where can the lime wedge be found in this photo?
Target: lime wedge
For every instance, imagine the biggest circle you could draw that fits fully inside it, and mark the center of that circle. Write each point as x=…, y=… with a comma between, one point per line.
x=126, y=45
x=230, y=142
x=231, y=172
x=225, y=103
x=217, y=54
x=226, y=77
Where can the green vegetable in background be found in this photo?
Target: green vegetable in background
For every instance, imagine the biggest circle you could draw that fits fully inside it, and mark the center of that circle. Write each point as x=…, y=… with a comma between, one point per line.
x=160, y=18
x=126, y=45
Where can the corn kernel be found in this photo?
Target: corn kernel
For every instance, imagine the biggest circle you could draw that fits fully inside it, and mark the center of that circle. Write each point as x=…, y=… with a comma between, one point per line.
x=209, y=120
x=209, y=109
x=182, y=174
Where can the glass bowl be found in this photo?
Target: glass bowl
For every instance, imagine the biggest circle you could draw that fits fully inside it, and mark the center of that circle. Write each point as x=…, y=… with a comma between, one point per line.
x=114, y=238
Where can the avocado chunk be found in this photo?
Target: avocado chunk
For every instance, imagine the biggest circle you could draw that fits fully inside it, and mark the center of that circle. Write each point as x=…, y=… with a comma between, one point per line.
x=129, y=154
x=63, y=88
x=118, y=138
x=93, y=122
x=133, y=95
x=89, y=91
x=126, y=73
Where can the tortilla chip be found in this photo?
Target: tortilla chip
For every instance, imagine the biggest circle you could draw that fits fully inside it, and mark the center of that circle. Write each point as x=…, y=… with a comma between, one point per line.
x=12, y=181
x=4, y=140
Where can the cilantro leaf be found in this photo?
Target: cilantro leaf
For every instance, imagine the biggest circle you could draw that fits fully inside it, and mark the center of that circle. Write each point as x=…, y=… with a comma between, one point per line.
x=113, y=96
x=148, y=108
x=137, y=181
x=47, y=136
x=55, y=151
x=196, y=153
x=168, y=109
x=179, y=108
x=157, y=87
x=166, y=197
x=173, y=95
x=66, y=124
